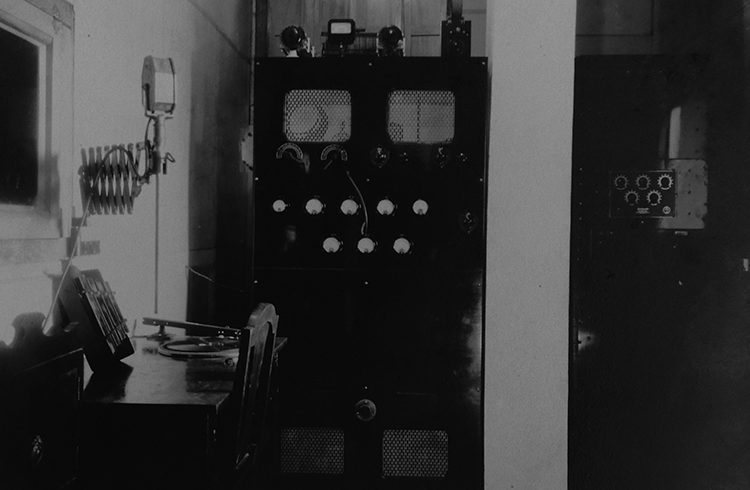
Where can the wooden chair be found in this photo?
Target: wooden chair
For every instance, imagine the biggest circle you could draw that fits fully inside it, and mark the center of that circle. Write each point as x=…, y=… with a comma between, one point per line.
x=250, y=393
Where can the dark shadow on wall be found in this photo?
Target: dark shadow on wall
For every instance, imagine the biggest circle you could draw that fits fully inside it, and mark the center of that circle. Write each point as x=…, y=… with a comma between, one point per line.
x=220, y=197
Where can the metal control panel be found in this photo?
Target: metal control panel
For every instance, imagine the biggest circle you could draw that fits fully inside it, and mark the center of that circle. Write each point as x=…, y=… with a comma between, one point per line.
x=370, y=239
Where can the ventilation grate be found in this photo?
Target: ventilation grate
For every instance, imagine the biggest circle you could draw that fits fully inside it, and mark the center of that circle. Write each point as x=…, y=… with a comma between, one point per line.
x=318, y=116
x=421, y=116
x=415, y=453
x=312, y=450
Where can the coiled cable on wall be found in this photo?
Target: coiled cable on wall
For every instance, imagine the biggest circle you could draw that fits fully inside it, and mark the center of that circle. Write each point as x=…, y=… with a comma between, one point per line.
x=111, y=181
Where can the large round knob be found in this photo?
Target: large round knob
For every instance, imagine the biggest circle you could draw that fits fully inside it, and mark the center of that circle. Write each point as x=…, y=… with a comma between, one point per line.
x=401, y=246
x=314, y=206
x=279, y=205
x=420, y=207
x=386, y=207
x=349, y=207
x=332, y=245
x=365, y=410
x=366, y=245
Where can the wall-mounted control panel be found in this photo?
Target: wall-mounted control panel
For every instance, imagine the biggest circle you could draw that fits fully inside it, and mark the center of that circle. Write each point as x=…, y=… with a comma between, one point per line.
x=642, y=194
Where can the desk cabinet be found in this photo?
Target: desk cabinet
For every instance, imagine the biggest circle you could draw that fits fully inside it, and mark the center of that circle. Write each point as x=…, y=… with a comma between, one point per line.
x=157, y=423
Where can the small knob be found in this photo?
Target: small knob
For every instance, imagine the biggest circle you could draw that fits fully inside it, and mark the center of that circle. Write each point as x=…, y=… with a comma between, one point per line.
x=442, y=156
x=349, y=207
x=401, y=246
x=366, y=245
x=365, y=410
x=643, y=182
x=379, y=156
x=631, y=198
x=468, y=222
x=403, y=157
x=653, y=198
x=279, y=205
x=621, y=182
x=462, y=158
x=314, y=206
x=420, y=207
x=665, y=182
x=386, y=207
x=332, y=245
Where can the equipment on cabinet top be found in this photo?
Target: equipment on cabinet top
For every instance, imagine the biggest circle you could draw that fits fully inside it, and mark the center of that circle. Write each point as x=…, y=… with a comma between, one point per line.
x=455, y=33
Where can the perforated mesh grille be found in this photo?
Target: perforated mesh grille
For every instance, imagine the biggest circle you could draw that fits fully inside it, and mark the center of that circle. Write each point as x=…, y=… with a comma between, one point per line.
x=312, y=450
x=415, y=453
x=317, y=116
x=421, y=116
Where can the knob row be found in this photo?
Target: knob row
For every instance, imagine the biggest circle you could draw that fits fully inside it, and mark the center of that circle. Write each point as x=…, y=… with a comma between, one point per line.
x=385, y=207
x=366, y=245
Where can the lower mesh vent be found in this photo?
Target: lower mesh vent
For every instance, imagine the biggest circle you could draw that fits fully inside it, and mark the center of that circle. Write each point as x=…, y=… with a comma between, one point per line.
x=415, y=453
x=312, y=450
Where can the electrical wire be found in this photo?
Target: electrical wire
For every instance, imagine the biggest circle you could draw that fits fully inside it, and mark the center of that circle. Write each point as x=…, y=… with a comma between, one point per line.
x=213, y=281
x=77, y=241
x=366, y=224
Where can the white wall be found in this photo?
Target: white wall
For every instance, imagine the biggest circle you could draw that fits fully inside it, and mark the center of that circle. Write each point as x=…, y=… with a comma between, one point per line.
x=531, y=48
x=210, y=43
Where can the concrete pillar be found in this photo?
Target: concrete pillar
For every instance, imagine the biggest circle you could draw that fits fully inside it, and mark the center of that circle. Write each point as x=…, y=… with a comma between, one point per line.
x=531, y=49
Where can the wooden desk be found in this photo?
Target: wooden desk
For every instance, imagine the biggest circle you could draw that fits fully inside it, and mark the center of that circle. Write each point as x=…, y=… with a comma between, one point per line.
x=158, y=422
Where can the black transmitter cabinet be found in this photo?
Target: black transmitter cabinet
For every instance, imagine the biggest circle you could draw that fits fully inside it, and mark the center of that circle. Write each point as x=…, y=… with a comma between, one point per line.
x=370, y=206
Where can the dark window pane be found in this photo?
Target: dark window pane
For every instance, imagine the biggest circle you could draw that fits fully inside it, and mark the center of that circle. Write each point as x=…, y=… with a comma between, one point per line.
x=19, y=103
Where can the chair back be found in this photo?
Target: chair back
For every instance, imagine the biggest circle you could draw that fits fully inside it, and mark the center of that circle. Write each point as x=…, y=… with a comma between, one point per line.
x=252, y=380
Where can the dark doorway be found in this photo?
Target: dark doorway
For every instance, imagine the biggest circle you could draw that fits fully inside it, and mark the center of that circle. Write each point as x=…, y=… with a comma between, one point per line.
x=660, y=302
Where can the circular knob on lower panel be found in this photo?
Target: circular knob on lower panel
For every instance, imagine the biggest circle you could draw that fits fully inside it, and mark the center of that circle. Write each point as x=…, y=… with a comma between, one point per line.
x=621, y=182
x=631, y=198
x=420, y=207
x=349, y=207
x=366, y=245
x=665, y=182
x=279, y=205
x=332, y=245
x=402, y=246
x=314, y=206
x=386, y=207
x=365, y=410
x=643, y=182
x=654, y=198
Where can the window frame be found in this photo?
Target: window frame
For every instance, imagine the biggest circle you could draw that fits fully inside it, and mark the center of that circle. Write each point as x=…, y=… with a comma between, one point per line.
x=50, y=23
